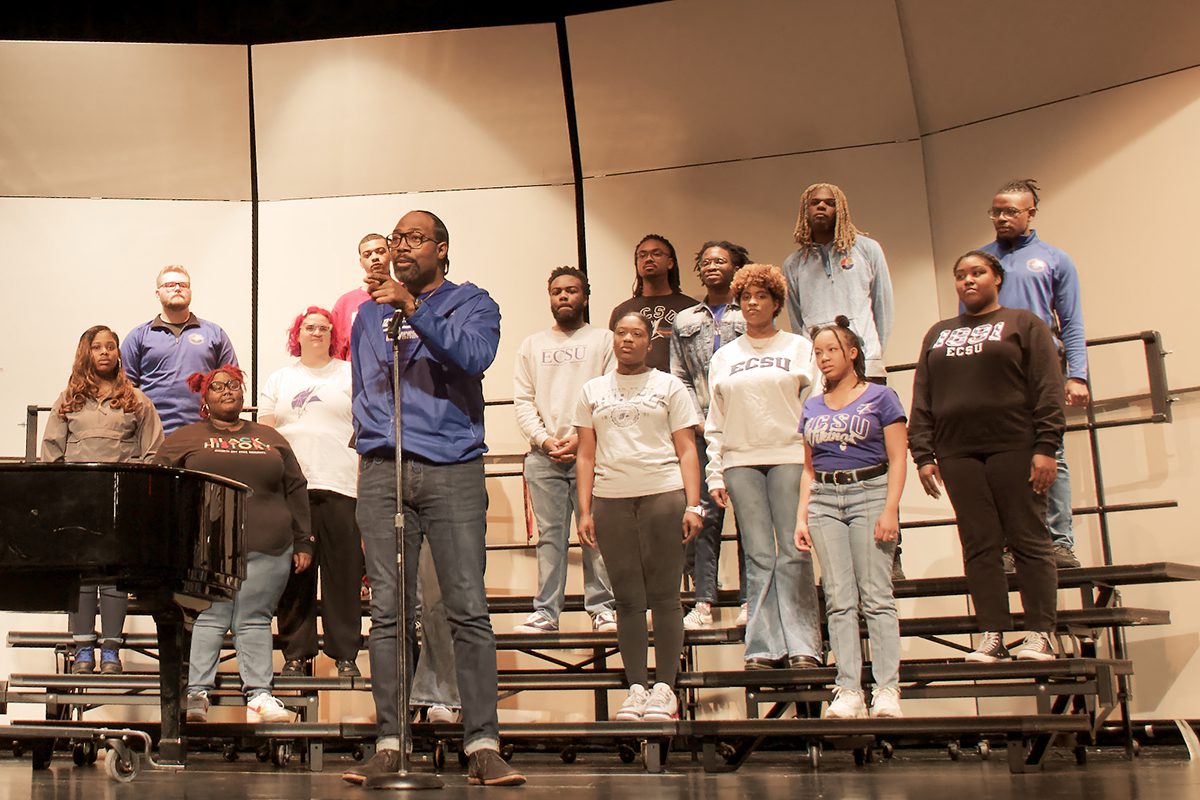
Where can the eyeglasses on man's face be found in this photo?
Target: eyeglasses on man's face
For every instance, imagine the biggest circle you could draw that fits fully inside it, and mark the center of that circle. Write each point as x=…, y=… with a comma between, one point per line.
x=414, y=239
x=172, y=285
x=1007, y=213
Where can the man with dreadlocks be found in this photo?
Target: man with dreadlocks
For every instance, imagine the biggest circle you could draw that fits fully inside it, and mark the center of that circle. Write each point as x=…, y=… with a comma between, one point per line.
x=839, y=270
x=656, y=296
x=1043, y=279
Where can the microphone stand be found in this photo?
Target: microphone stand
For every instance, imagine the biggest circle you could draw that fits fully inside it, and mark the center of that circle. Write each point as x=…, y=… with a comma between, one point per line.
x=402, y=779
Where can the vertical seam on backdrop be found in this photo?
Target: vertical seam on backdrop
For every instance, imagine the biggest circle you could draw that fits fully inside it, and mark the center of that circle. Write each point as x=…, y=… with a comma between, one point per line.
x=568, y=85
x=253, y=230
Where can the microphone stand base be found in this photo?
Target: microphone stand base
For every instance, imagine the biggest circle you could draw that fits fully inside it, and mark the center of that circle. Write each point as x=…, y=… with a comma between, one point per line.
x=403, y=781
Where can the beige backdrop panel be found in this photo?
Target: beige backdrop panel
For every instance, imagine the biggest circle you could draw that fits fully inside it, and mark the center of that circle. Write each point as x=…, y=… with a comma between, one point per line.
x=1117, y=184
x=117, y=248
x=973, y=59
x=428, y=111
x=124, y=120
x=686, y=82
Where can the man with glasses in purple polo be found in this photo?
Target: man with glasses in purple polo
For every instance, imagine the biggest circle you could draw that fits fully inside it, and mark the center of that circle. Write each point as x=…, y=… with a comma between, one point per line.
x=448, y=335
x=159, y=355
x=1043, y=279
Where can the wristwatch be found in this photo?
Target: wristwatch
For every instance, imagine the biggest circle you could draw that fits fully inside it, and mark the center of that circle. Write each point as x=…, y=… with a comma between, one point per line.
x=697, y=510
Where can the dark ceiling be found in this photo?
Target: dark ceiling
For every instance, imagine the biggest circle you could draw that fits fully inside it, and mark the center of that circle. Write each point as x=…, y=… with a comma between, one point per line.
x=263, y=21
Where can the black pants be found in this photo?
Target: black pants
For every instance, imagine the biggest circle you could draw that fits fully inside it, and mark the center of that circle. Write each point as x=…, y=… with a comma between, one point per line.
x=996, y=506
x=641, y=541
x=340, y=560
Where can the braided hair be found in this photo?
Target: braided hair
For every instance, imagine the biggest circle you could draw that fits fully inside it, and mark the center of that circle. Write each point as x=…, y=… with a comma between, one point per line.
x=1022, y=185
x=847, y=339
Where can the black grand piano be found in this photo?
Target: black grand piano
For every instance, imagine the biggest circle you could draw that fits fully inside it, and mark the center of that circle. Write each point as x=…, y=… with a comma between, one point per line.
x=172, y=537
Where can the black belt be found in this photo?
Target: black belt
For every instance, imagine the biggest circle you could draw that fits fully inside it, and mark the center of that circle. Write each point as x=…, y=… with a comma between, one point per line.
x=847, y=476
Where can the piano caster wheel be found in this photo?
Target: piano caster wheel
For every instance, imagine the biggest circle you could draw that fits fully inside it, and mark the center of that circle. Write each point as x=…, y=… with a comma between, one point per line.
x=18, y=749
x=439, y=754
x=814, y=755
x=229, y=752
x=506, y=752
x=42, y=751
x=121, y=763
x=358, y=752
x=887, y=749
x=568, y=755
x=863, y=756
x=281, y=754
x=985, y=749
x=84, y=753
x=626, y=753
x=263, y=753
x=954, y=751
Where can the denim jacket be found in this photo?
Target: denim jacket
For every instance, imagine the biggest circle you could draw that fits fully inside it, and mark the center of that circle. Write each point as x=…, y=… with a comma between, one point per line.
x=692, y=347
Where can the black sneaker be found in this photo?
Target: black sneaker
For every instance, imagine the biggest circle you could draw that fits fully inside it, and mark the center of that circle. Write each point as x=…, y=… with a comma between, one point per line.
x=294, y=668
x=383, y=762
x=991, y=648
x=347, y=669
x=487, y=768
x=1064, y=557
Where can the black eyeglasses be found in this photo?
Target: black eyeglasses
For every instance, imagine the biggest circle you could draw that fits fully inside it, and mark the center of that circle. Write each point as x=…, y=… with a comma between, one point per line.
x=220, y=386
x=414, y=239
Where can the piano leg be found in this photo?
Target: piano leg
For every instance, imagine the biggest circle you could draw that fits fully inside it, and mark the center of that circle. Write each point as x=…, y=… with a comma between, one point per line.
x=172, y=748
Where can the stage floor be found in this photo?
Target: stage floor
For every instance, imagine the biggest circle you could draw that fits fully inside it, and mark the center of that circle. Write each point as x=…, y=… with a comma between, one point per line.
x=1160, y=773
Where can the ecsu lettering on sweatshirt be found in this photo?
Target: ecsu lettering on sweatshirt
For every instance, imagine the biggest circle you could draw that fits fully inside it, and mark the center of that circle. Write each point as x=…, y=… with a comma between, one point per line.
x=757, y=362
x=968, y=341
x=564, y=355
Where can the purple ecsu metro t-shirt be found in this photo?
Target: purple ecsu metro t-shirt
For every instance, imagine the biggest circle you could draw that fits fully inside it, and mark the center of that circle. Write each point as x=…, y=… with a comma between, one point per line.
x=850, y=437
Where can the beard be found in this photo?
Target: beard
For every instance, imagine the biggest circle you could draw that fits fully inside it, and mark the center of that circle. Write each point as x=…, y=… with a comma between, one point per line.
x=568, y=316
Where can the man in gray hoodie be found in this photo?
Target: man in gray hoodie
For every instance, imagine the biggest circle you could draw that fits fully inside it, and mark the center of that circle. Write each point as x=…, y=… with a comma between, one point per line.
x=839, y=270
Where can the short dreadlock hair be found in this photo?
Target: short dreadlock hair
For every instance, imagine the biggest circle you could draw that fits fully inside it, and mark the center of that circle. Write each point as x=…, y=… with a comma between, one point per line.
x=672, y=274
x=1021, y=185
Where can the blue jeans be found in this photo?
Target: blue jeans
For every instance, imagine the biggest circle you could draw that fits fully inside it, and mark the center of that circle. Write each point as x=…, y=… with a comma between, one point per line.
x=1058, y=502
x=704, y=552
x=856, y=569
x=552, y=495
x=445, y=505
x=779, y=578
x=248, y=615
x=434, y=682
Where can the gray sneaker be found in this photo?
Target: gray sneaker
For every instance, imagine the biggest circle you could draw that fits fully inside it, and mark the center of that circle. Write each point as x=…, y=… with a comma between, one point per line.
x=382, y=763
x=197, y=707
x=487, y=768
x=1064, y=557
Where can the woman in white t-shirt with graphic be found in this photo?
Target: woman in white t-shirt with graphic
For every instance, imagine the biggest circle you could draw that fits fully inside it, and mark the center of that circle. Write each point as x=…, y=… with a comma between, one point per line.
x=638, y=480
x=756, y=457
x=308, y=402
x=856, y=450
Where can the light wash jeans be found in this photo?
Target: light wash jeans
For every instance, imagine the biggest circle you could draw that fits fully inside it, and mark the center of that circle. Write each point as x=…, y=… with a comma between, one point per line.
x=248, y=615
x=434, y=682
x=1058, y=511
x=856, y=569
x=445, y=508
x=779, y=578
x=552, y=495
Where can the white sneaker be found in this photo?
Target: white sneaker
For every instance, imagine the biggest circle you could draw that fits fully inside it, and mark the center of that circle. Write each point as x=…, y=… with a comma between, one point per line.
x=1037, y=647
x=743, y=617
x=537, y=622
x=846, y=704
x=197, y=707
x=699, y=617
x=885, y=703
x=266, y=707
x=663, y=705
x=442, y=715
x=635, y=704
x=604, y=622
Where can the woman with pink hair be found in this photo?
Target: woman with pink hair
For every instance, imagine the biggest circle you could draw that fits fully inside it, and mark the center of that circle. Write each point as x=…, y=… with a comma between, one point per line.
x=308, y=402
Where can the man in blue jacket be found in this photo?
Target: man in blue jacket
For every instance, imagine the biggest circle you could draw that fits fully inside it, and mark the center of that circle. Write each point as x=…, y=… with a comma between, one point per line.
x=1043, y=279
x=448, y=336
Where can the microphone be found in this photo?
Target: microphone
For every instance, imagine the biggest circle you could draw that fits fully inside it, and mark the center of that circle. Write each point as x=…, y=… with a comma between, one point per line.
x=394, y=323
